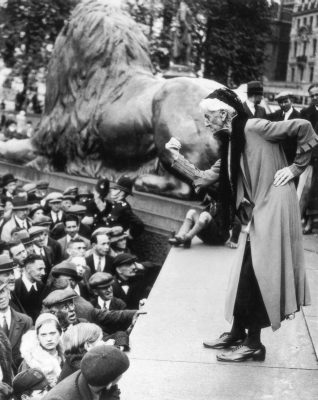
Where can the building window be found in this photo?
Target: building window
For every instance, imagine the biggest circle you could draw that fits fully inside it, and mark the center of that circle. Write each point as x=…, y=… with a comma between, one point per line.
x=292, y=74
x=298, y=22
x=311, y=21
x=311, y=74
x=295, y=49
x=304, y=48
x=314, y=47
x=301, y=73
x=305, y=21
x=316, y=20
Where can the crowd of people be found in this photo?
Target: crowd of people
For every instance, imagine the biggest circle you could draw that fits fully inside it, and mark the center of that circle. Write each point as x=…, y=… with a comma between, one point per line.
x=70, y=288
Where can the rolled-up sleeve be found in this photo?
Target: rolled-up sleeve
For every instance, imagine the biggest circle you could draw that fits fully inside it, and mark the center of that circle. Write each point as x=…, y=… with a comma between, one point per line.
x=190, y=171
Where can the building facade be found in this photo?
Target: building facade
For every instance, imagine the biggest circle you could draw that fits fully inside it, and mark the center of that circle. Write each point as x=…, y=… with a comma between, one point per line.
x=303, y=49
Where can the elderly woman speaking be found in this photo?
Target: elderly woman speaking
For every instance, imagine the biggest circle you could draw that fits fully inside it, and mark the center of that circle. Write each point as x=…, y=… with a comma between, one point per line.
x=269, y=282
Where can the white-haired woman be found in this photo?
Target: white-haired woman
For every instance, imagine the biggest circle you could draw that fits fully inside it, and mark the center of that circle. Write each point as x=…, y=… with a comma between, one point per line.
x=264, y=290
x=41, y=348
x=77, y=340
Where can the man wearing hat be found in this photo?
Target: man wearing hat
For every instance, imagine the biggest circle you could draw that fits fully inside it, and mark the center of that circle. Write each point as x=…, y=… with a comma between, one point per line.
x=60, y=302
x=121, y=213
x=29, y=287
x=41, y=189
x=132, y=280
x=29, y=384
x=39, y=235
x=252, y=106
x=54, y=202
x=286, y=112
x=118, y=242
x=19, y=218
x=13, y=323
x=101, y=369
x=7, y=276
x=9, y=184
x=101, y=285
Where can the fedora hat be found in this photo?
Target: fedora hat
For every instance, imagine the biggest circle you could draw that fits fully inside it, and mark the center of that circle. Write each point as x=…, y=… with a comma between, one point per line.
x=124, y=183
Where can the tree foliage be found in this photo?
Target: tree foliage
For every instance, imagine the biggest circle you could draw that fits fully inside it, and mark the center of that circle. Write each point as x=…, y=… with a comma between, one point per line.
x=229, y=36
x=28, y=32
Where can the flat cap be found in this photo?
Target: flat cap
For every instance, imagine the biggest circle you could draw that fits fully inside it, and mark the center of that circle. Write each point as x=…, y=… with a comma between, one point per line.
x=59, y=296
x=100, y=280
x=6, y=264
x=123, y=259
x=30, y=379
x=54, y=197
x=66, y=268
x=283, y=96
x=84, y=191
x=116, y=236
x=36, y=230
x=29, y=187
x=76, y=209
x=103, y=230
x=103, y=364
x=43, y=220
x=42, y=185
x=255, y=88
x=71, y=190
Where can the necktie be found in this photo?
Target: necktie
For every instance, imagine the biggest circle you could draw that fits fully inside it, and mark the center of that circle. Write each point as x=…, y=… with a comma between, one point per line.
x=99, y=265
x=105, y=306
x=5, y=326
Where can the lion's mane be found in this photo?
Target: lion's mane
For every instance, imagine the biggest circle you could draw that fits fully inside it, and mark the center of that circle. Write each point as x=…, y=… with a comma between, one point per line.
x=97, y=52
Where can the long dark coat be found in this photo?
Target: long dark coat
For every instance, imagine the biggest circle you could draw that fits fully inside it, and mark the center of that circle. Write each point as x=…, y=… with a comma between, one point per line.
x=275, y=230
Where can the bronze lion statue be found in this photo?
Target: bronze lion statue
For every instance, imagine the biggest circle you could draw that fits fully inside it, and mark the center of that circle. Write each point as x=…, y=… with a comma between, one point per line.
x=106, y=113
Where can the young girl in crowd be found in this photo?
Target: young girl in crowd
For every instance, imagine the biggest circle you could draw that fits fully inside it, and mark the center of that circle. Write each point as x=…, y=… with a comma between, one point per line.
x=41, y=348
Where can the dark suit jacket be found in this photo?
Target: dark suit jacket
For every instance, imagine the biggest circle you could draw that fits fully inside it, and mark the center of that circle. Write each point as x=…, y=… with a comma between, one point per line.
x=56, y=250
x=20, y=324
x=34, y=309
x=290, y=143
x=75, y=387
x=92, y=266
x=311, y=114
x=137, y=291
x=259, y=111
x=115, y=304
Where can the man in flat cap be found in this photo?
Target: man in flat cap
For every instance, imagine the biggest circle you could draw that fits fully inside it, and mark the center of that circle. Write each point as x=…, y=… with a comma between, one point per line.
x=252, y=106
x=101, y=369
x=41, y=189
x=263, y=290
x=311, y=207
x=60, y=302
x=101, y=283
x=286, y=112
x=19, y=218
x=14, y=325
x=132, y=281
x=29, y=384
x=54, y=203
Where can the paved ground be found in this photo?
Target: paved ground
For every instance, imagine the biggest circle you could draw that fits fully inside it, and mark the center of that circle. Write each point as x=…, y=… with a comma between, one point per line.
x=168, y=361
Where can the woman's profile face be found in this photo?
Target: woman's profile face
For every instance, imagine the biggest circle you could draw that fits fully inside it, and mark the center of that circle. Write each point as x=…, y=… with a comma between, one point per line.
x=48, y=336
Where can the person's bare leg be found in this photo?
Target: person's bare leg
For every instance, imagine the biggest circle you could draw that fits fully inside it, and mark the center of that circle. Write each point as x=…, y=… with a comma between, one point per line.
x=202, y=222
x=189, y=222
